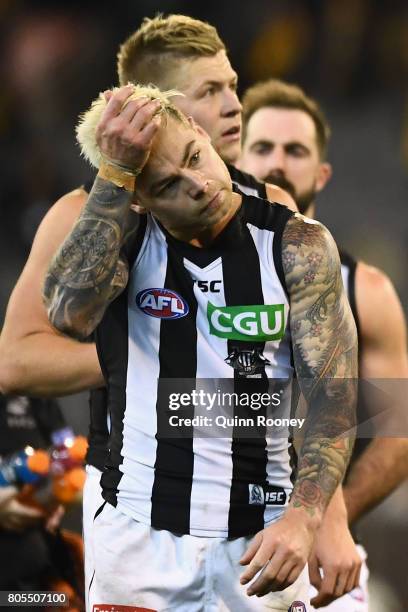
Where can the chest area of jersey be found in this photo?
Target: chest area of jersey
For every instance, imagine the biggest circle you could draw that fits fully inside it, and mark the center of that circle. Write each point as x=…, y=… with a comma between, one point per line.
x=223, y=300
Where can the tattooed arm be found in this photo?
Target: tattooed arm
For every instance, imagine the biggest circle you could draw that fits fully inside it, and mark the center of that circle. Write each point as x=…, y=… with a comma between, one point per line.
x=324, y=342
x=325, y=350
x=87, y=272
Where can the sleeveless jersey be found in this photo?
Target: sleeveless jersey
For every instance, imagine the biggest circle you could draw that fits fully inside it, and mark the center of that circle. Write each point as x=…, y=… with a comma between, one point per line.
x=189, y=317
x=99, y=420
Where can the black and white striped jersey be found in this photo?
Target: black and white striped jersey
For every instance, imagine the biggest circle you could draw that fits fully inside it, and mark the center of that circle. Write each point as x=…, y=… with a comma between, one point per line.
x=190, y=315
x=99, y=422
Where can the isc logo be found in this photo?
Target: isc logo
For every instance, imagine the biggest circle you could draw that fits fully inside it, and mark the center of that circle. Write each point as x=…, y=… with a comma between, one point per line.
x=162, y=303
x=275, y=497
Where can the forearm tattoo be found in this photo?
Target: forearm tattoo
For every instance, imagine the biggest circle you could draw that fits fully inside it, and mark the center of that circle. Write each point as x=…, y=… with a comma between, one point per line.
x=86, y=273
x=325, y=355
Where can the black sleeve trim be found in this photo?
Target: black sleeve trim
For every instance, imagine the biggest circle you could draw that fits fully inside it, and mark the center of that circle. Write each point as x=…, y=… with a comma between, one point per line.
x=277, y=247
x=243, y=179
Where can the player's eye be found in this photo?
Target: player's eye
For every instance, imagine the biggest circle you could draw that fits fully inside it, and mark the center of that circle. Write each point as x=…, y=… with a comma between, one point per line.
x=195, y=158
x=297, y=150
x=169, y=186
x=210, y=91
x=262, y=148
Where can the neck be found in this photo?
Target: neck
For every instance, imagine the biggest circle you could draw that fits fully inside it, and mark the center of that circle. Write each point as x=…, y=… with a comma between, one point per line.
x=202, y=238
x=311, y=211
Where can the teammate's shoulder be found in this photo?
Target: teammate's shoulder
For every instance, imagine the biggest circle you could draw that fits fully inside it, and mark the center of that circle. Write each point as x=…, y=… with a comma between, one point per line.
x=373, y=281
x=378, y=305
x=72, y=201
x=280, y=196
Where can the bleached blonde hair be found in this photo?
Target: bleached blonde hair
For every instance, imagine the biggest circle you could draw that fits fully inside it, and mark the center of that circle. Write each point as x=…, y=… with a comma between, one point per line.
x=88, y=121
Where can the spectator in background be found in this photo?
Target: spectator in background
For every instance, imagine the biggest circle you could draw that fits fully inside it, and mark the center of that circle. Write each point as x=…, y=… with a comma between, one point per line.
x=36, y=554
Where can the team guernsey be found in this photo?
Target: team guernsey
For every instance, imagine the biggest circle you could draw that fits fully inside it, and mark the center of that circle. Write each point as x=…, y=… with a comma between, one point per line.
x=99, y=420
x=196, y=321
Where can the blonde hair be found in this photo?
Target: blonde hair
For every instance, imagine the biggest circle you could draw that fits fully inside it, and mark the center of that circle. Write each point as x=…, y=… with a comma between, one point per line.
x=153, y=51
x=278, y=94
x=88, y=121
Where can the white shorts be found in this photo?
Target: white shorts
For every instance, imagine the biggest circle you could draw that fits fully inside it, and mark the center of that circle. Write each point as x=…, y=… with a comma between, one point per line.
x=155, y=570
x=91, y=500
x=357, y=599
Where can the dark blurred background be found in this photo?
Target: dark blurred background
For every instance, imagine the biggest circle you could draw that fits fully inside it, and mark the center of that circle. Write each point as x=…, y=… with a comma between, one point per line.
x=351, y=54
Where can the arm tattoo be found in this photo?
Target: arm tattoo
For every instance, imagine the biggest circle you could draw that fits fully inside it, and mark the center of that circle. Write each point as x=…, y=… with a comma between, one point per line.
x=325, y=355
x=87, y=272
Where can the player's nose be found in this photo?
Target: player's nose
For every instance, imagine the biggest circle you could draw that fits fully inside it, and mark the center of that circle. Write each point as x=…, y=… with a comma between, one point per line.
x=197, y=184
x=277, y=161
x=231, y=104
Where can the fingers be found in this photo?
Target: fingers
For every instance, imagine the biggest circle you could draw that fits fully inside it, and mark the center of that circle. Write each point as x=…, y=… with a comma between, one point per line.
x=335, y=584
x=251, y=550
x=354, y=579
x=274, y=577
x=314, y=573
x=341, y=583
x=127, y=127
x=131, y=107
x=116, y=102
x=150, y=130
x=326, y=590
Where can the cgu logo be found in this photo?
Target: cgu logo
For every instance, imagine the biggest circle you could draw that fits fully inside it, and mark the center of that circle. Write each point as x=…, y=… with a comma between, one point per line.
x=260, y=323
x=162, y=303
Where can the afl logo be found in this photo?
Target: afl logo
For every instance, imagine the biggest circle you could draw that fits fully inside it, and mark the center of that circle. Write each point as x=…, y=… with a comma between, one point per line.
x=162, y=303
x=297, y=606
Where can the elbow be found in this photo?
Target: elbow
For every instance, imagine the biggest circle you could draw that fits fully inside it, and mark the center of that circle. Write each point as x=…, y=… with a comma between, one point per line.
x=71, y=328
x=65, y=323
x=12, y=375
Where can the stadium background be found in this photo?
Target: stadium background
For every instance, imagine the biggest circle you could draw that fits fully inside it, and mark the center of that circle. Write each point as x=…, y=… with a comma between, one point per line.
x=351, y=54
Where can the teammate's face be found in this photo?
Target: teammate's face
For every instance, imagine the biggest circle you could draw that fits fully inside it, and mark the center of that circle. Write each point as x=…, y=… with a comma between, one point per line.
x=281, y=148
x=185, y=183
x=209, y=87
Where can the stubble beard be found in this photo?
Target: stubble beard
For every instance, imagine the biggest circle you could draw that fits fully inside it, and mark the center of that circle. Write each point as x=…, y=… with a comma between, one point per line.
x=303, y=200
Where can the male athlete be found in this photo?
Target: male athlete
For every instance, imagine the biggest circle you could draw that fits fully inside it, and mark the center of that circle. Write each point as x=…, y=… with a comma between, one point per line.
x=172, y=52
x=183, y=513
x=285, y=141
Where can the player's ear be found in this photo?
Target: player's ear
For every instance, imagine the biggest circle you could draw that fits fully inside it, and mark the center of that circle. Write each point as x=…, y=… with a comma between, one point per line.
x=324, y=175
x=198, y=128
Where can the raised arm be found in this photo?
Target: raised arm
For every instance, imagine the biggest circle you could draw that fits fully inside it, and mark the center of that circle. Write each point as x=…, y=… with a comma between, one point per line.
x=325, y=357
x=87, y=272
